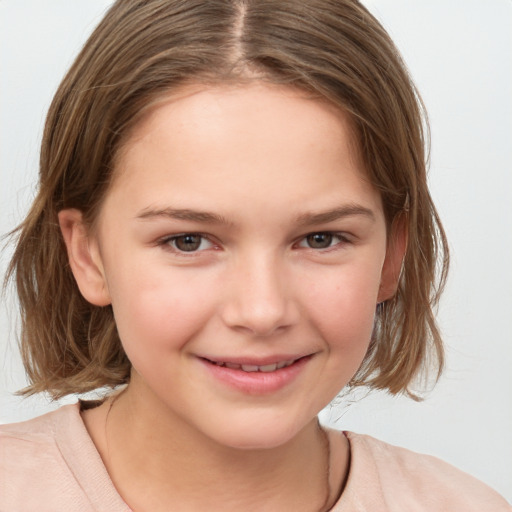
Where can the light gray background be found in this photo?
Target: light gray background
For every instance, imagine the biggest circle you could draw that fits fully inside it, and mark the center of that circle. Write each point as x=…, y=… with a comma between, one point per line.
x=460, y=54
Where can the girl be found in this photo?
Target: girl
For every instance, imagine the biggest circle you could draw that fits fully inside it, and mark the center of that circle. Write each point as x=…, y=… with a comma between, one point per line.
x=232, y=214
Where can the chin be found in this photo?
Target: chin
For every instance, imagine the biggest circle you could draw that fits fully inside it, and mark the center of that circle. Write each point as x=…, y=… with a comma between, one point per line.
x=257, y=434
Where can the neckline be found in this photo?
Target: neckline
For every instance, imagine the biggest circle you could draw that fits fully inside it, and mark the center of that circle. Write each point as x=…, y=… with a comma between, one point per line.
x=77, y=446
x=84, y=460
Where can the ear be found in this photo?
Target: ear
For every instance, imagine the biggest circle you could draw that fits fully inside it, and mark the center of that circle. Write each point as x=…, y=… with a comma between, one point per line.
x=84, y=258
x=395, y=253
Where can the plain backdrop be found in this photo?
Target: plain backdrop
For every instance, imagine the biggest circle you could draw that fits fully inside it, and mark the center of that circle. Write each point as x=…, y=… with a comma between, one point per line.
x=460, y=54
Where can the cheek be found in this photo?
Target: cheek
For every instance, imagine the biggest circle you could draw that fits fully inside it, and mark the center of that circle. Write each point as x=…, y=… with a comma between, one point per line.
x=342, y=307
x=159, y=311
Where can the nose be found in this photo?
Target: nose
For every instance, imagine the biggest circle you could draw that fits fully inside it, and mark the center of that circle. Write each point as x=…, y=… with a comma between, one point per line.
x=259, y=299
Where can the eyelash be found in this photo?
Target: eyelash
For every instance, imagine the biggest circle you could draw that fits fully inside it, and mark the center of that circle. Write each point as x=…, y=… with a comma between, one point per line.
x=342, y=239
x=170, y=242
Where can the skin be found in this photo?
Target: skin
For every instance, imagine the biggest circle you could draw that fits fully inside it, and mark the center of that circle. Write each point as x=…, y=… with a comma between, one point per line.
x=271, y=166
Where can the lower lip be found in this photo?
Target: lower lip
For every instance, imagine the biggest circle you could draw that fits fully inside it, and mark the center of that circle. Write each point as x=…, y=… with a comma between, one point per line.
x=257, y=383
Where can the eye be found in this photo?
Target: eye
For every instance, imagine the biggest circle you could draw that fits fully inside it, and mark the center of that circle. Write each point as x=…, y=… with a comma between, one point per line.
x=322, y=240
x=188, y=242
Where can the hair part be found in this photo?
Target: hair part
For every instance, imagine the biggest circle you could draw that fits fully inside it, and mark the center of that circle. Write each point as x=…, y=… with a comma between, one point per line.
x=140, y=53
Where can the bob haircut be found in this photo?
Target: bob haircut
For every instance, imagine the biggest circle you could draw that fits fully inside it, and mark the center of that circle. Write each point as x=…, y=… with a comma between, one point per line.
x=140, y=53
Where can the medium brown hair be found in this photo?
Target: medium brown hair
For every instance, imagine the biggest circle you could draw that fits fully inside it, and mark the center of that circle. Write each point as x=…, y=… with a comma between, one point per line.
x=143, y=50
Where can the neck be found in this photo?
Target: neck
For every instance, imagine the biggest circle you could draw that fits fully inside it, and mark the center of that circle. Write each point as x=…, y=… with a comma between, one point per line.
x=155, y=459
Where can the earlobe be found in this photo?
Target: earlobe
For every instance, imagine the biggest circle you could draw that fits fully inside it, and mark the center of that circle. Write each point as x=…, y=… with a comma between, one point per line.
x=84, y=258
x=395, y=253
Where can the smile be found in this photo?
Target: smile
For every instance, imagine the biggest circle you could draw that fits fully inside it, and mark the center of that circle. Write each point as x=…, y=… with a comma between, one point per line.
x=267, y=368
x=248, y=377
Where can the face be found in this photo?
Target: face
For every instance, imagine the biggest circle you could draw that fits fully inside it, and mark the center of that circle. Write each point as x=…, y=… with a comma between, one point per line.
x=242, y=250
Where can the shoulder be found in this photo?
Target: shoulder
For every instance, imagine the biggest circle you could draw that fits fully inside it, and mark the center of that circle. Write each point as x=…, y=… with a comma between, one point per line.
x=30, y=458
x=49, y=463
x=406, y=480
x=40, y=433
x=34, y=437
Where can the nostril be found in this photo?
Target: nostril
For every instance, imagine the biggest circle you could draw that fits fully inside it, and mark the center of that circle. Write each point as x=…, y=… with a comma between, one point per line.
x=260, y=330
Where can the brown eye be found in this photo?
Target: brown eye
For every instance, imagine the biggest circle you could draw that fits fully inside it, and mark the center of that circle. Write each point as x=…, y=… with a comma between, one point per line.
x=188, y=242
x=319, y=240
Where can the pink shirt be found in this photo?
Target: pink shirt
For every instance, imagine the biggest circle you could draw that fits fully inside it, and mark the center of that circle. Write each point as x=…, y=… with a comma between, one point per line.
x=50, y=464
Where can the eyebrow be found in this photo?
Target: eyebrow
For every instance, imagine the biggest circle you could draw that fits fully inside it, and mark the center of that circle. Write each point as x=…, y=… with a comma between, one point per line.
x=304, y=219
x=349, y=210
x=182, y=214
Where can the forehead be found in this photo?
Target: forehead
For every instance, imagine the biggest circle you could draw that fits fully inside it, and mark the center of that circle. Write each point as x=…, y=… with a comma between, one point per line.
x=230, y=141
x=255, y=110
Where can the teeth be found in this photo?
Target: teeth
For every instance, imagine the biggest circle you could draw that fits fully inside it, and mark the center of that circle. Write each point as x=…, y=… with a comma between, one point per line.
x=267, y=368
x=250, y=368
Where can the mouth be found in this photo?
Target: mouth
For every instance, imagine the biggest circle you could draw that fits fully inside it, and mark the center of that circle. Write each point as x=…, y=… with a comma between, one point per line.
x=256, y=377
x=251, y=368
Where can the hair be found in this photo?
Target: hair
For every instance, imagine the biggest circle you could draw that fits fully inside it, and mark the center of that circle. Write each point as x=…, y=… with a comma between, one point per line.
x=143, y=50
